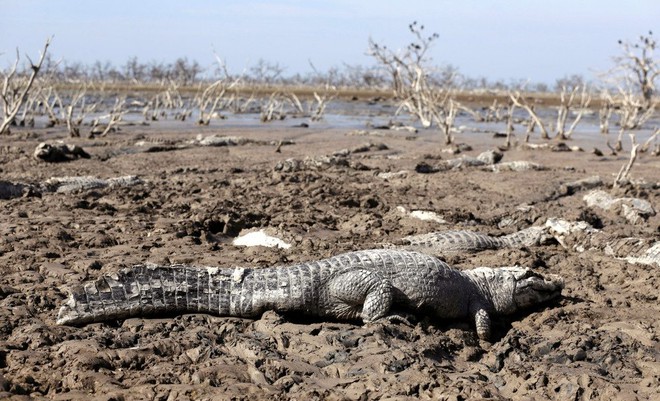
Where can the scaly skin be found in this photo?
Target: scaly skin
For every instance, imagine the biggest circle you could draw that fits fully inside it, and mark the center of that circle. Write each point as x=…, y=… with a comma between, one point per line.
x=71, y=184
x=363, y=285
x=469, y=241
x=9, y=190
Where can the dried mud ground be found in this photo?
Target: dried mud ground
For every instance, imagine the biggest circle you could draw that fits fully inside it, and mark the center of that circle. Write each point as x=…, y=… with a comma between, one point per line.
x=600, y=341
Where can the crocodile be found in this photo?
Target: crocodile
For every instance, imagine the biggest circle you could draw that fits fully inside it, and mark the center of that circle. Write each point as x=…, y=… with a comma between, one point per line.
x=10, y=190
x=366, y=286
x=454, y=241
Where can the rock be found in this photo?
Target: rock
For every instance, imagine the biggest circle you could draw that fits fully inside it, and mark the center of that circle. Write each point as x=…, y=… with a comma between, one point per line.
x=260, y=238
x=635, y=210
x=425, y=168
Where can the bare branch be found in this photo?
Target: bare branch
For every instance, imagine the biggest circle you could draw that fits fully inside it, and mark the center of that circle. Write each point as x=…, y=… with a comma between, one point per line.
x=212, y=98
x=13, y=101
x=585, y=100
x=77, y=110
x=49, y=99
x=273, y=109
x=509, y=125
x=475, y=115
x=411, y=85
x=114, y=118
x=605, y=112
x=648, y=142
x=637, y=63
x=519, y=101
x=318, y=109
x=622, y=177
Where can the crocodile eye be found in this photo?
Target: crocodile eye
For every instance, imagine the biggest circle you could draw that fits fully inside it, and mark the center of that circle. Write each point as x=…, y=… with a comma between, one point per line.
x=520, y=274
x=531, y=274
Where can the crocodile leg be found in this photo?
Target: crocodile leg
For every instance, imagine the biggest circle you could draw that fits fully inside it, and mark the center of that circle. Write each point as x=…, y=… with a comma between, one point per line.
x=359, y=295
x=482, y=322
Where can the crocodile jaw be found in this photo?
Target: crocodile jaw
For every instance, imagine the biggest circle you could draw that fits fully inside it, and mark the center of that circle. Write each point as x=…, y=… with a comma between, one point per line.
x=532, y=288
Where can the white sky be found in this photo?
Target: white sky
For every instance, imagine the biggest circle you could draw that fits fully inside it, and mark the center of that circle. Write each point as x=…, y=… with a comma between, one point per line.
x=538, y=40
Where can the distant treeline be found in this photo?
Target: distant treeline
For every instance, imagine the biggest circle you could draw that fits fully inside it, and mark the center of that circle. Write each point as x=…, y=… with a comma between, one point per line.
x=186, y=72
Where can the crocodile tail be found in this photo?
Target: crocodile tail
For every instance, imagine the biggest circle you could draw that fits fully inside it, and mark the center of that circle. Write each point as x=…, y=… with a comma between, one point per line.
x=145, y=290
x=449, y=241
x=528, y=237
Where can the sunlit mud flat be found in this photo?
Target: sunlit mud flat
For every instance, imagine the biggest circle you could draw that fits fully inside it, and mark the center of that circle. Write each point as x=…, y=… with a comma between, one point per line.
x=339, y=184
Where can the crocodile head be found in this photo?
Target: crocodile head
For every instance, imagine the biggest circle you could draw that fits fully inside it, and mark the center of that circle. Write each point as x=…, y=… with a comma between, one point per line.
x=516, y=288
x=532, y=288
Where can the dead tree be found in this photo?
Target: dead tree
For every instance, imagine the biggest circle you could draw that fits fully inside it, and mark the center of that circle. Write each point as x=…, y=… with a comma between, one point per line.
x=15, y=90
x=410, y=80
x=475, y=114
x=77, y=110
x=318, y=108
x=520, y=101
x=151, y=110
x=638, y=64
x=298, y=106
x=114, y=118
x=239, y=105
x=634, y=76
x=605, y=112
x=493, y=113
x=172, y=100
x=568, y=101
x=314, y=109
x=509, y=125
x=273, y=108
x=632, y=111
x=645, y=147
x=212, y=98
x=622, y=177
x=26, y=118
x=531, y=126
x=445, y=118
x=49, y=102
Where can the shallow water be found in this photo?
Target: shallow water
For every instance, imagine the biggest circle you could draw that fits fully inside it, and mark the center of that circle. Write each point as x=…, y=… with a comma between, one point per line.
x=370, y=115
